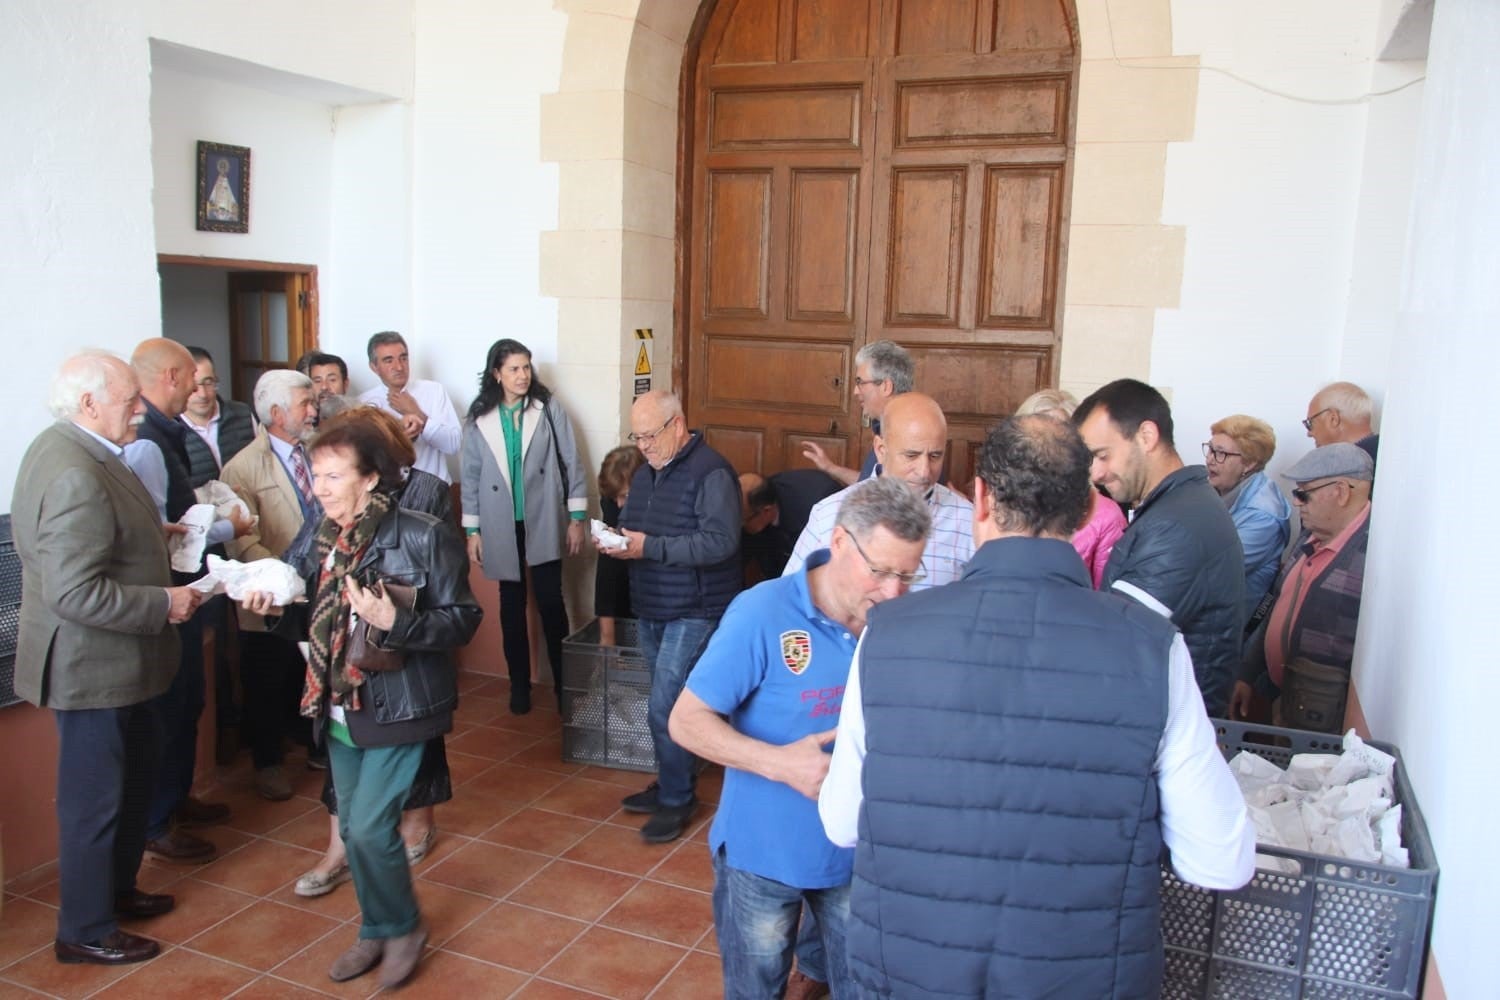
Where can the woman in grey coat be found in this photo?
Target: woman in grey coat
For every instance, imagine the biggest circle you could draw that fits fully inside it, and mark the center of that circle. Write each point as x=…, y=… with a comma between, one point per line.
x=524, y=499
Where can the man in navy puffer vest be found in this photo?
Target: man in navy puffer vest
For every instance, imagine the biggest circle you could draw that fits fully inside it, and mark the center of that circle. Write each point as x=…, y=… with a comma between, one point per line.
x=1014, y=750
x=682, y=523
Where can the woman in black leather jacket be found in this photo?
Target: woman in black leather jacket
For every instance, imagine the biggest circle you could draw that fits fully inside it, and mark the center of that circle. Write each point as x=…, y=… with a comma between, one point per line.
x=375, y=723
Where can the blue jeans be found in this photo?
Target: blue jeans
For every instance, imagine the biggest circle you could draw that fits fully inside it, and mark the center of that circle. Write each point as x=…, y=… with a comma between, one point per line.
x=671, y=648
x=810, y=959
x=756, y=922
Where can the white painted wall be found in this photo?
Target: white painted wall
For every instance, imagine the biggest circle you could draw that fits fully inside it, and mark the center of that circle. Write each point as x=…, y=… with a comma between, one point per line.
x=77, y=254
x=1425, y=663
x=291, y=168
x=480, y=194
x=1295, y=214
x=371, y=232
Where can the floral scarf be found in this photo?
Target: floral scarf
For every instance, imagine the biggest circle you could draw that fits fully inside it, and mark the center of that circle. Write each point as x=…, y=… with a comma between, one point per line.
x=339, y=551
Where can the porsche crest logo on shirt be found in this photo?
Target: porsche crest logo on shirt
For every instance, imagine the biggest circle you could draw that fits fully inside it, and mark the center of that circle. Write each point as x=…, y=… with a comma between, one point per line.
x=796, y=650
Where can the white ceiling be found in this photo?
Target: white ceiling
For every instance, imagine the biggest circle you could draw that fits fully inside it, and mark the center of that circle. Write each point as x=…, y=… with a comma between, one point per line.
x=212, y=66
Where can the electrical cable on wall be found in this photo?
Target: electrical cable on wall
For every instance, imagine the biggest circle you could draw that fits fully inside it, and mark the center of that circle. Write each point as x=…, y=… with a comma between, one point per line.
x=1328, y=101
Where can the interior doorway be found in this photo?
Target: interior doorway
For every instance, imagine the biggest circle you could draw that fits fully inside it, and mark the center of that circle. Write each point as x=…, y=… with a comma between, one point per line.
x=857, y=170
x=251, y=315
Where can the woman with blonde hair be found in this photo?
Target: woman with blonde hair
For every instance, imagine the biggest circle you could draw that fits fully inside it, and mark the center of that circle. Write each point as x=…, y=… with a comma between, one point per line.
x=1236, y=455
x=1106, y=523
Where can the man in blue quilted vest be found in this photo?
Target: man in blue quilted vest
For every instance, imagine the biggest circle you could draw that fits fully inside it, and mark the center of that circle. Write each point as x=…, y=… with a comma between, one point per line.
x=682, y=530
x=1013, y=753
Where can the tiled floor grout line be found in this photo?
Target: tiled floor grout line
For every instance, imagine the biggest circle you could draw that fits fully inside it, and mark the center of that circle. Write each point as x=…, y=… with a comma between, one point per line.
x=547, y=778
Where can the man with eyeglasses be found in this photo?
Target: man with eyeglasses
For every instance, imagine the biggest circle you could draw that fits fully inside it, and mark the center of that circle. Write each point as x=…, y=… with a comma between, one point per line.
x=1180, y=554
x=910, y=448
x=221, y=427
x=1014, y=752
x=883, y=369
x=1342, y=411
x=682, y=530
x=763, y=701
x=1301, y=653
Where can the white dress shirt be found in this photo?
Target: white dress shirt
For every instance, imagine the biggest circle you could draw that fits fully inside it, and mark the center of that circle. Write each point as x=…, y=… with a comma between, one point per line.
x=440, y=438
x=950, y=545
x=1203, y=819
x=149, y=465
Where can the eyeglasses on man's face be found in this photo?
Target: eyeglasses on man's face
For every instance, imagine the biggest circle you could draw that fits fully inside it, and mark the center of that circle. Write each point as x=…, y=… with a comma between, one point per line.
x=860, y=383
x=882, y=575
x=1308, y=422
x=1218, y=455
x=1304, y=494
x=649, y=439
x=207, y=383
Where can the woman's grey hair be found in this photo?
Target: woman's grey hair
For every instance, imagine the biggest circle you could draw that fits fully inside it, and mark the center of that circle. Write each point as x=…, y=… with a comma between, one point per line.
x=332, y=406
x=888, y=360
x=275, y=388
x=884, y=503
x=87, y=372
x=1049, y=402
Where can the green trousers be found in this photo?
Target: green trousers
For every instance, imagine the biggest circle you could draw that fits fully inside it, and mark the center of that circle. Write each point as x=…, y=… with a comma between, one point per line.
x=372, y=784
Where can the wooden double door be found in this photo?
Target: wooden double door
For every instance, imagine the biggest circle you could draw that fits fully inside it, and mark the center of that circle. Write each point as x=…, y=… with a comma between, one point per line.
x=860, y=170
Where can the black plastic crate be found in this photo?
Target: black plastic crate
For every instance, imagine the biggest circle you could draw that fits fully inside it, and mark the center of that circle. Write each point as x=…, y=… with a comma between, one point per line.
x=605, y=699
x=1324, y=927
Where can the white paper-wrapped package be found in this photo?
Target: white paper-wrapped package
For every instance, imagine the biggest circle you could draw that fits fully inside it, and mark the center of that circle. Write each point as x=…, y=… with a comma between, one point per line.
x=187, y=547
x=227, y=576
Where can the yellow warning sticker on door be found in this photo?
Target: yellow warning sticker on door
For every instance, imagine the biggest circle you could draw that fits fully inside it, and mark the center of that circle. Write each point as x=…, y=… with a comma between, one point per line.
x=642, y=361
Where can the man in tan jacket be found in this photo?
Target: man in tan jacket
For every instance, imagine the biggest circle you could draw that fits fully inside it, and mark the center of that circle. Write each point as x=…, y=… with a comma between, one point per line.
x=274, y=477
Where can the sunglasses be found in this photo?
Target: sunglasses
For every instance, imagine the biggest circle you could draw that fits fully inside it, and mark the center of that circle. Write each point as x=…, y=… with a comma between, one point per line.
x=1303, y=495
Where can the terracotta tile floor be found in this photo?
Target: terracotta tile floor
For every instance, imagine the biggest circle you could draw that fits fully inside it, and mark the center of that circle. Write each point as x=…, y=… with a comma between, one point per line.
x=538, y=887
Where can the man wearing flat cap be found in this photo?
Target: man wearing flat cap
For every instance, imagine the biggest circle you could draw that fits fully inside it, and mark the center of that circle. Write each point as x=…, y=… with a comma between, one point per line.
x=1301, y=652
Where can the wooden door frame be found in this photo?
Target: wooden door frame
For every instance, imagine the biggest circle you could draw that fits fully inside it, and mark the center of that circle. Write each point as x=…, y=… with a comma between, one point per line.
x=308, y=273
x=240, y=264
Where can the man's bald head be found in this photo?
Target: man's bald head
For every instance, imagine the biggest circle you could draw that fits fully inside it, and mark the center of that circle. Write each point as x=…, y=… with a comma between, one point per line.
x=757, y=503
x=913, y=439
x=167, y=372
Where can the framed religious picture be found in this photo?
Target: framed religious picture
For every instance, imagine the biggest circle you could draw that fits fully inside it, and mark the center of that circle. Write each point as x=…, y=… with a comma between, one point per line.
x=223, y=188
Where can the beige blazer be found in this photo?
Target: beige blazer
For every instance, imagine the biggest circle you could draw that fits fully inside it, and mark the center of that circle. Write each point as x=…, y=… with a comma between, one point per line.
x=94, y=573
x=258, y=476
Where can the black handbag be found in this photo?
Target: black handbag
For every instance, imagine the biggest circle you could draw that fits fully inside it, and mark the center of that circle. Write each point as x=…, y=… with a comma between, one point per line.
x=366, y=649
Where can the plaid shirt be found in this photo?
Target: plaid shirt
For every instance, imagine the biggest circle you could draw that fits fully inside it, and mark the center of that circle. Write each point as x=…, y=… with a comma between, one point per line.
x=950, y=546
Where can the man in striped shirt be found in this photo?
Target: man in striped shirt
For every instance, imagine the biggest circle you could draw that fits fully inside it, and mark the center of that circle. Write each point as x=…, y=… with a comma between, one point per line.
x=910, y=448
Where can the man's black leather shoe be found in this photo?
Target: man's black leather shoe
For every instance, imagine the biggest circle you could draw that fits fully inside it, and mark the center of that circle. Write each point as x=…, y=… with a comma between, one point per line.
x=138, y=905
x=117, y=948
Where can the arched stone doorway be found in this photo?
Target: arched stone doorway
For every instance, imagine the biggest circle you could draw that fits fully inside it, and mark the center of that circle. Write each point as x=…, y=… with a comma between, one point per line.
x=614, y=128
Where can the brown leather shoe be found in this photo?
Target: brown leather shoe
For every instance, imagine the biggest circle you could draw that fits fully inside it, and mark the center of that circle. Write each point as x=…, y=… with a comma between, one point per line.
x=115, y=948
x=180, y=847
x=800, y=987
x=196, y=812
x=401, y=957
x=138, y=905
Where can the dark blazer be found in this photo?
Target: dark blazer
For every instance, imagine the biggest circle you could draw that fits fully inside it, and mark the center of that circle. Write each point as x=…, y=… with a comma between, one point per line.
x=94, y=568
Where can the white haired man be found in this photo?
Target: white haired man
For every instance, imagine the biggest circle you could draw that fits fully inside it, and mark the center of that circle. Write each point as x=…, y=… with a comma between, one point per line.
x=274, y=477
x=96, y=645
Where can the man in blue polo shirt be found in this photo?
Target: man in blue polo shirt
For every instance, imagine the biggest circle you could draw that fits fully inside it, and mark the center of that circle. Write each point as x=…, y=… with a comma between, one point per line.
x=776, y=668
